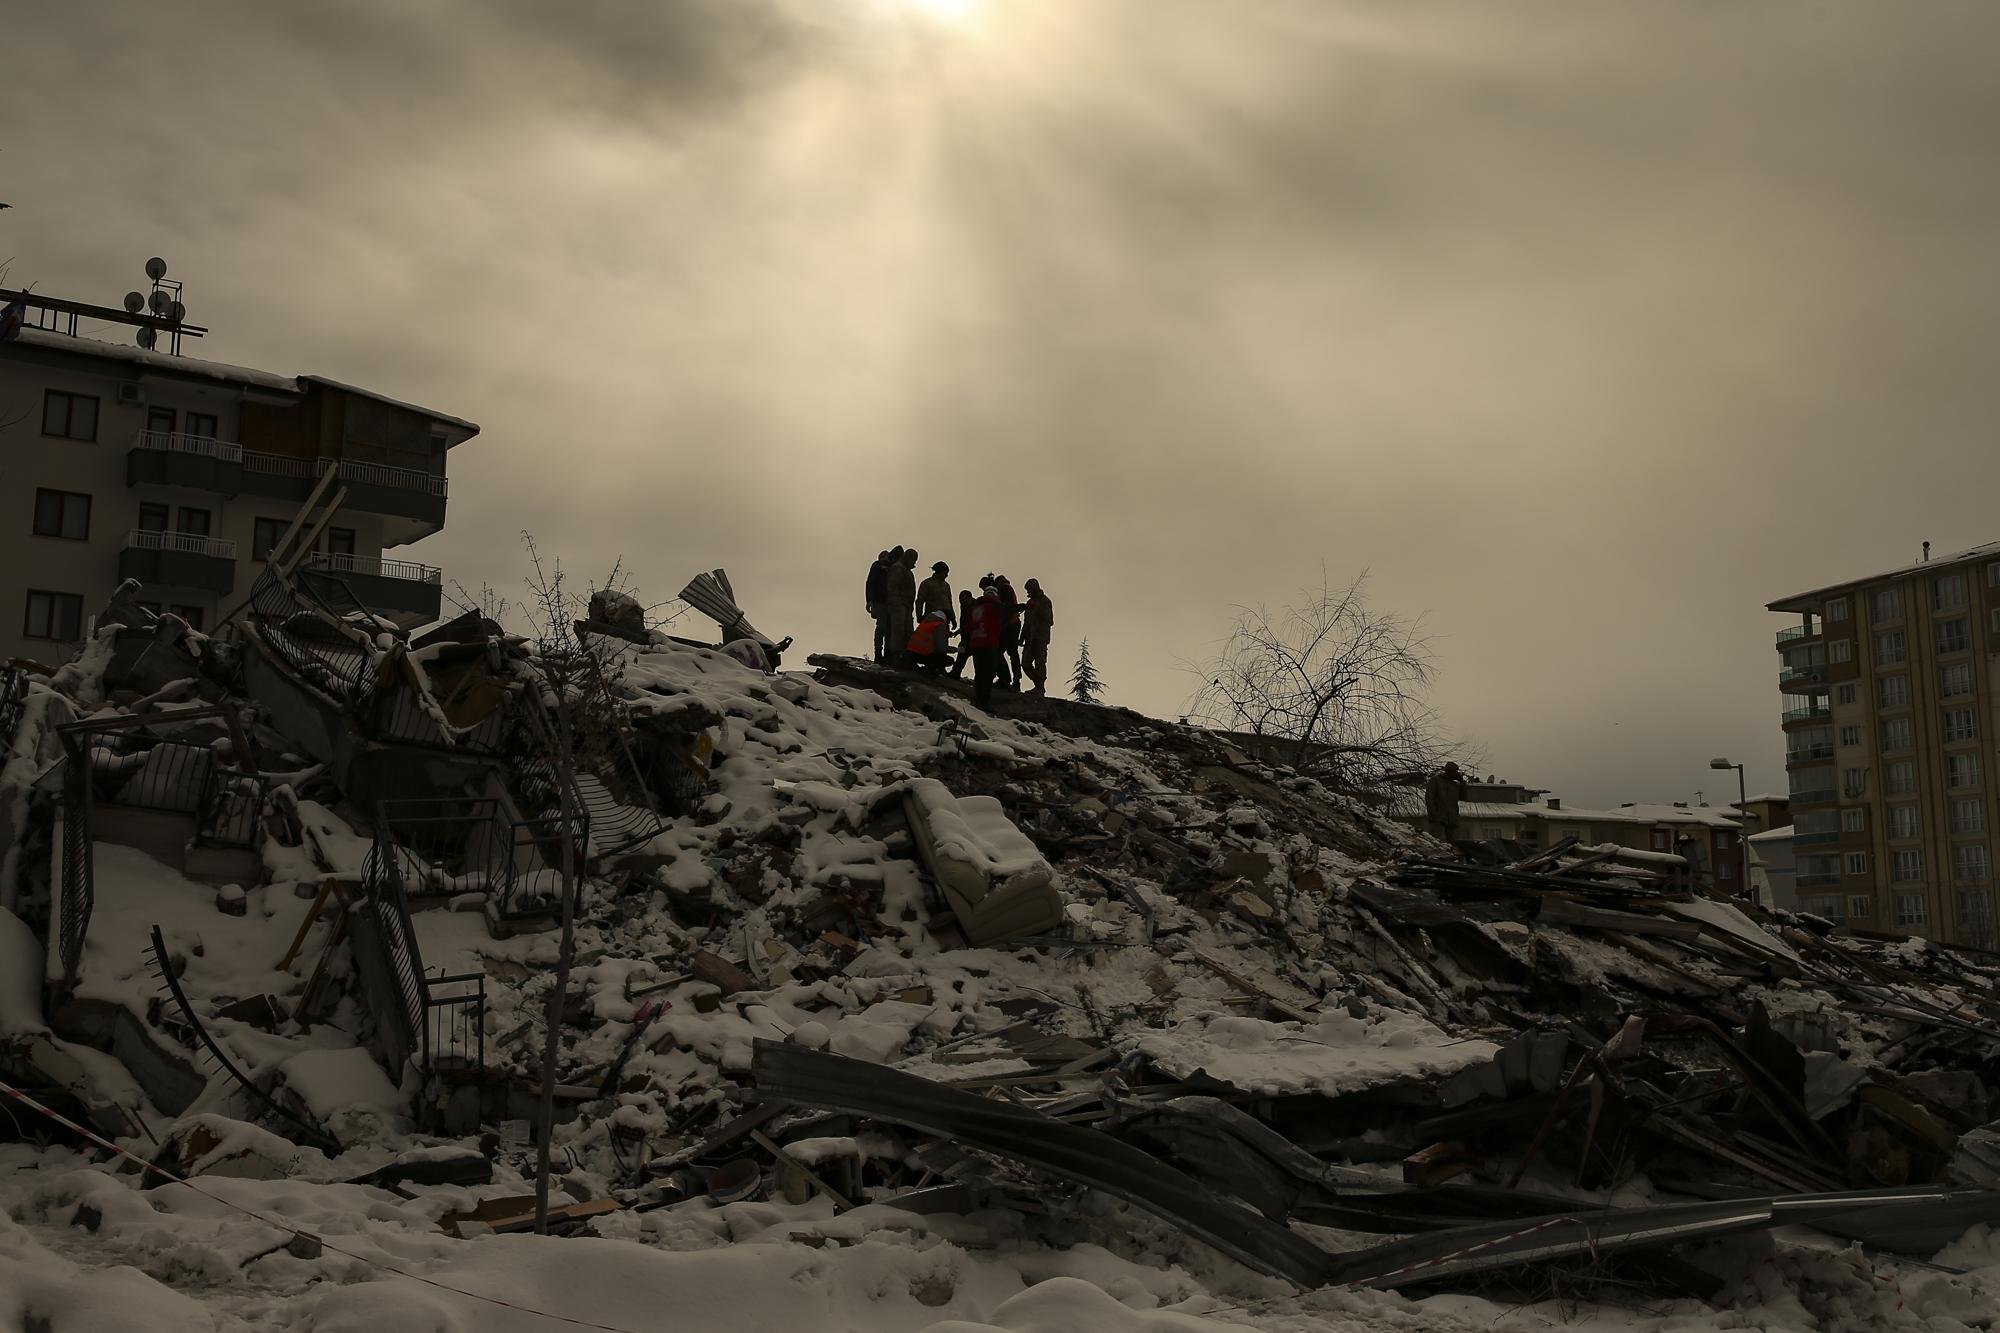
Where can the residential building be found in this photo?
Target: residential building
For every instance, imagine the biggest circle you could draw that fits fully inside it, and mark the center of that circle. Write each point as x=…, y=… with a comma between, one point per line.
x=1718, y=844
x=1889, y=686
x=180, y=473
x=1767, y=812
x=1771, y=872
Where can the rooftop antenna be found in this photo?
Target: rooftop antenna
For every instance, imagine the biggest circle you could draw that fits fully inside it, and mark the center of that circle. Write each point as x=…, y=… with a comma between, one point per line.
x=1927, y=553
x=164, y=303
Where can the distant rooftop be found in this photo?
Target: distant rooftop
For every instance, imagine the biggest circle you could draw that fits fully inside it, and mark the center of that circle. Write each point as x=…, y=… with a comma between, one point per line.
x=1807, y=601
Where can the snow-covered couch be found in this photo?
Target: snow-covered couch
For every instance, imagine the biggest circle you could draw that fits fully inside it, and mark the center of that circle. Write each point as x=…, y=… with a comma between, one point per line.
x=992, y=877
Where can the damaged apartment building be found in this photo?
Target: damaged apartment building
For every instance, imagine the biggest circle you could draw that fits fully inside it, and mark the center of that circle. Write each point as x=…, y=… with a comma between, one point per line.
x=131, y=463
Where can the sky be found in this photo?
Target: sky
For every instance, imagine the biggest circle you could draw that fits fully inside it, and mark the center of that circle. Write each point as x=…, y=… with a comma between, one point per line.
x=1584, y=329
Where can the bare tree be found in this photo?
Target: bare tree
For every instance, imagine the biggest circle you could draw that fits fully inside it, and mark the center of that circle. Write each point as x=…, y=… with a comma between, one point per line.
x=1348, y=684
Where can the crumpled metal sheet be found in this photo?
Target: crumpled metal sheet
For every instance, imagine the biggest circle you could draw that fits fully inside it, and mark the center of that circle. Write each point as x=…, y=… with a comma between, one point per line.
x=1086, y=1156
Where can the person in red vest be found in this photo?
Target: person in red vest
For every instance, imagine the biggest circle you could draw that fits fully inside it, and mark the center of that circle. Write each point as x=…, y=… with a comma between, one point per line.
x=930, y=645
x=985, y=620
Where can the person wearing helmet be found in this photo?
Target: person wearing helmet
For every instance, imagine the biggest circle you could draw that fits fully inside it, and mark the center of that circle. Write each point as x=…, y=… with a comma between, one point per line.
x=930, y=644
x=1038, y=618
x=984, y=626
x=934, y=594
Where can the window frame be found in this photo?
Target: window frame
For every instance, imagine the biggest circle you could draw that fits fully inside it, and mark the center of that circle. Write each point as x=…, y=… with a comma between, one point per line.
x=1900, y=639
x=1961, y=642
x=1847, y=694
x=261, y=549
x=55, y=600
x=1908, y=915
x=1854, y=819
x=62, y=499
x=1890, y=598
x=1906, y=865
x=150, y=508
x=1897, y=734
x=1857, y=863
x=1960, y=807
x=69, y=401
x=1963, y=852
x=1889, y=784
x=1905, y=822
x=189, y=428
x=1940, y=586
x=1958, y=724
x=183, y=512
x=1861, y=905
x=1954, y=763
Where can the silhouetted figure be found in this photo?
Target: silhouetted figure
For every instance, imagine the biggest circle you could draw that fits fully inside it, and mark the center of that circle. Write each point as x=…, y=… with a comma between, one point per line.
x=930, y=644
x=1038, y=618
x=1010, y=632
x=902, y=601
x=985, y=623
x=877, y=598
x=964, y=650
x=1441, y=797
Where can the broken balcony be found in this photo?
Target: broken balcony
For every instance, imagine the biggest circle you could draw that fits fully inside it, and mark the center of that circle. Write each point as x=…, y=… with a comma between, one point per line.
x=397, y=493
x=402, y=591
x=179, y=560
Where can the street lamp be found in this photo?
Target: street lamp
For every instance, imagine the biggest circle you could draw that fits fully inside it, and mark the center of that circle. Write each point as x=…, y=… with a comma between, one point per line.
x=1742, y=829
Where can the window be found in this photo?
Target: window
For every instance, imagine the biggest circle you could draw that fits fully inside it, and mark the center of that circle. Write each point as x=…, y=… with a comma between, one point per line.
x=71, y=416
x=1850, y=736
x=1993, y=575
x=1491, y=833
x=1860, y=904
x=62, y=514
x=1854, y=819
x=1888, y=605
x=1821, y=904
x=1948, y=592
x=1911, y=910
x=193, y=521
x=1857, y=863
x=1895, y=691
x=340, y=541
x=1837, y=609
x=1961, y=724
x=1889, y=648
x=1961, y=770
x=1663, y=841
x=1909, y=865
x=1968, y=816
x=159, y=421
x=1725, y=870
x=1996, y=620
x=266, y=536
x=1895, y=733
x=201, y=425
x=1968, y=863
x=1955, y=681
x=191, y=614
x=153, y=518
x=1901, y=779
x=1845, y=693
x=1840, y=650
x=1954, y=636
x=53, y=615
x=1808, y=822
x=1902, y=821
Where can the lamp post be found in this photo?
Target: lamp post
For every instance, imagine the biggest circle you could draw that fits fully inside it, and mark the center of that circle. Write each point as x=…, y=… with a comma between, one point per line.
x=1742, y=829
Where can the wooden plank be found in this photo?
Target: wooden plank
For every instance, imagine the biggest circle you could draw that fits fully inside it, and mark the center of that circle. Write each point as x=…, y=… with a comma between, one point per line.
x=777, y=1150
x=1249, y=987
x=719, y=971
x=1564, y=912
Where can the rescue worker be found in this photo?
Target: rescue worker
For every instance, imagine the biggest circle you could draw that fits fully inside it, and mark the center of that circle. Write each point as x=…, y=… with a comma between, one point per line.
x=1010, y=633
x=934, y=594
x=1441, y=797
x=901, y=602
x=964, y=651
x=877, y=595
x=984, y=626
x=1038, y=617
x=930, y=644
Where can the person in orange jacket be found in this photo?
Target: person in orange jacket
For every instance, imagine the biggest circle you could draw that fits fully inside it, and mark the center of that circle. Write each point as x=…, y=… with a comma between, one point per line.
x=930, y=643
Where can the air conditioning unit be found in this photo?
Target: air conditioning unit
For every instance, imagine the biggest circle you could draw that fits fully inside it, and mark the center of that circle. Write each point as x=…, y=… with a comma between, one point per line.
x=131, y=395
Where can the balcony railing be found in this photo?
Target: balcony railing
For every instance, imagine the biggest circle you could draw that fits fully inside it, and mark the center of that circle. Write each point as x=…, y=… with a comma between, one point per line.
x=408, y=570
x=367, y=474
x=205, y=446
x=1804, y=753
x=1816, y=881
x=1810, y=839
x=1812, y=797
x=1791, y=675
x=1805, y=714
x=1797, y=632
x=187, y=543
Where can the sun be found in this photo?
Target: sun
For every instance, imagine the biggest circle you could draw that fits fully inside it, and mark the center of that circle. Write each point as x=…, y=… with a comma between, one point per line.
x=941, y=11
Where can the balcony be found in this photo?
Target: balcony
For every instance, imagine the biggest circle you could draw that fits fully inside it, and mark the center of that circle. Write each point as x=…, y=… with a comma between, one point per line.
x=1816, y=881
x=179, y=560
x=1797, y=634
x=1808, y=753
x=1814, y=839
x=1791, y=677
x=1815, y=797
x=1811, y=713
x=162, y=458
x=399, y=590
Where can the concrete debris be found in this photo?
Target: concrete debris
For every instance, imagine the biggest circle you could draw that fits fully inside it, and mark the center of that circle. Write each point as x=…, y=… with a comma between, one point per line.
x=843, y=940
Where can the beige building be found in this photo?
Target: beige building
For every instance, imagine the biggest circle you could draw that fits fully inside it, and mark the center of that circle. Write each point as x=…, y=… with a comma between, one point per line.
x=180, y=473
x=1889, y=685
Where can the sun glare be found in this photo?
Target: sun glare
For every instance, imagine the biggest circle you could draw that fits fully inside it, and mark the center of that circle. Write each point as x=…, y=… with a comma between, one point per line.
x=943, y=11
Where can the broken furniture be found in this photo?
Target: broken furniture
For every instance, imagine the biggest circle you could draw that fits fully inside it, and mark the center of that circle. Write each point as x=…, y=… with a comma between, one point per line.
x=991, y=876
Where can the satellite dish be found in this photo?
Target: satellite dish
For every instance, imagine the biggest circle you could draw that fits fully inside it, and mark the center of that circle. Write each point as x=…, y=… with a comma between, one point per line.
x=176, y=312
x=158, y=302
x=134, y=303
x=147, y=337
x=156, y=268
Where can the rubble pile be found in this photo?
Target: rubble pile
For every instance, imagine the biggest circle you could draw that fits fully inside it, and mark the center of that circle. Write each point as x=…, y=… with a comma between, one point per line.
x=852, y=958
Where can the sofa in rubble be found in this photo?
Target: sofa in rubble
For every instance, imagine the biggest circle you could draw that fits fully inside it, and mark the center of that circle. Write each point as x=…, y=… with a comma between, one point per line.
x=989, y=873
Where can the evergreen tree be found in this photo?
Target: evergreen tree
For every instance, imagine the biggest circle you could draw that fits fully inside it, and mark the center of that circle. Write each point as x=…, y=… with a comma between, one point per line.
x=1084, y=685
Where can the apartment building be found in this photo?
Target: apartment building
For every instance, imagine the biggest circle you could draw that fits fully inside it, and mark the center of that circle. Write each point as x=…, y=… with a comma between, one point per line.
x=1889, y=684
x=123, y=462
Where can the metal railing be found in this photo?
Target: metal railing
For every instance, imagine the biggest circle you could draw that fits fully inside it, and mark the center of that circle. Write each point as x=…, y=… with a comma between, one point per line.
x=1797, y=632
x=79, y=891
x=398, y=954
x=455, y=1022
x=449, y=846
x=1812, y=797
x=375, y=567
x=13, y=704
x=312, y=648
x=187, y=543
x=1804, y=714
x=205, y=446
x=1818, y=750
x=370, y=474
x=1804, y=881
x=1809, y=839
x=1806, y=673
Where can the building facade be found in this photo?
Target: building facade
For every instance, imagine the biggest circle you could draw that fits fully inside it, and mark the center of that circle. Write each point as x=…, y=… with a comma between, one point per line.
x=1889, y=684
x=180, y=473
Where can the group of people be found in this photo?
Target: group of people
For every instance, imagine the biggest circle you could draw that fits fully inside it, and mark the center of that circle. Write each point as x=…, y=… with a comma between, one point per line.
x=1003, y=636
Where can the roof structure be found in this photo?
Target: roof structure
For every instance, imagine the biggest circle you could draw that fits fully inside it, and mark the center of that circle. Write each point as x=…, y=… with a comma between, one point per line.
x=1803, y=601
x=1410, y=804
x=189, y=367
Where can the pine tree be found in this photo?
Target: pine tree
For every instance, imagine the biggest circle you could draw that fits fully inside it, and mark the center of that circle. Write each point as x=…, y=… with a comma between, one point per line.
x=1084, y=685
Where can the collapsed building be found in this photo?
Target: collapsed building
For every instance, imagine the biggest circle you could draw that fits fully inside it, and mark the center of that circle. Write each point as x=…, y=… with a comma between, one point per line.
x=843, y=940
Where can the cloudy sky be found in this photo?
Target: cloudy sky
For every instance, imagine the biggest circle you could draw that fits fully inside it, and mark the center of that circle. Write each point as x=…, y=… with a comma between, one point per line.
x=1587, y=328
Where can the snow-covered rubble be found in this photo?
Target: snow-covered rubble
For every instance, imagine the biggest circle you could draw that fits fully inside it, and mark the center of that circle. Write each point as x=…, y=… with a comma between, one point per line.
x=1219, y=930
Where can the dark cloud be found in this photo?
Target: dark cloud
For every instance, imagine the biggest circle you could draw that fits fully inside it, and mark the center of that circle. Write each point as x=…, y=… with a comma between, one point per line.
x=1588, y=333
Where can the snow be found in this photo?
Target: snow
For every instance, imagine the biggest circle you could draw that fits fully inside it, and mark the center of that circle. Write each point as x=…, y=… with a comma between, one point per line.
x=1339, y=1053
x=332, y=1081
x=20, y=976
x=1731, y=921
